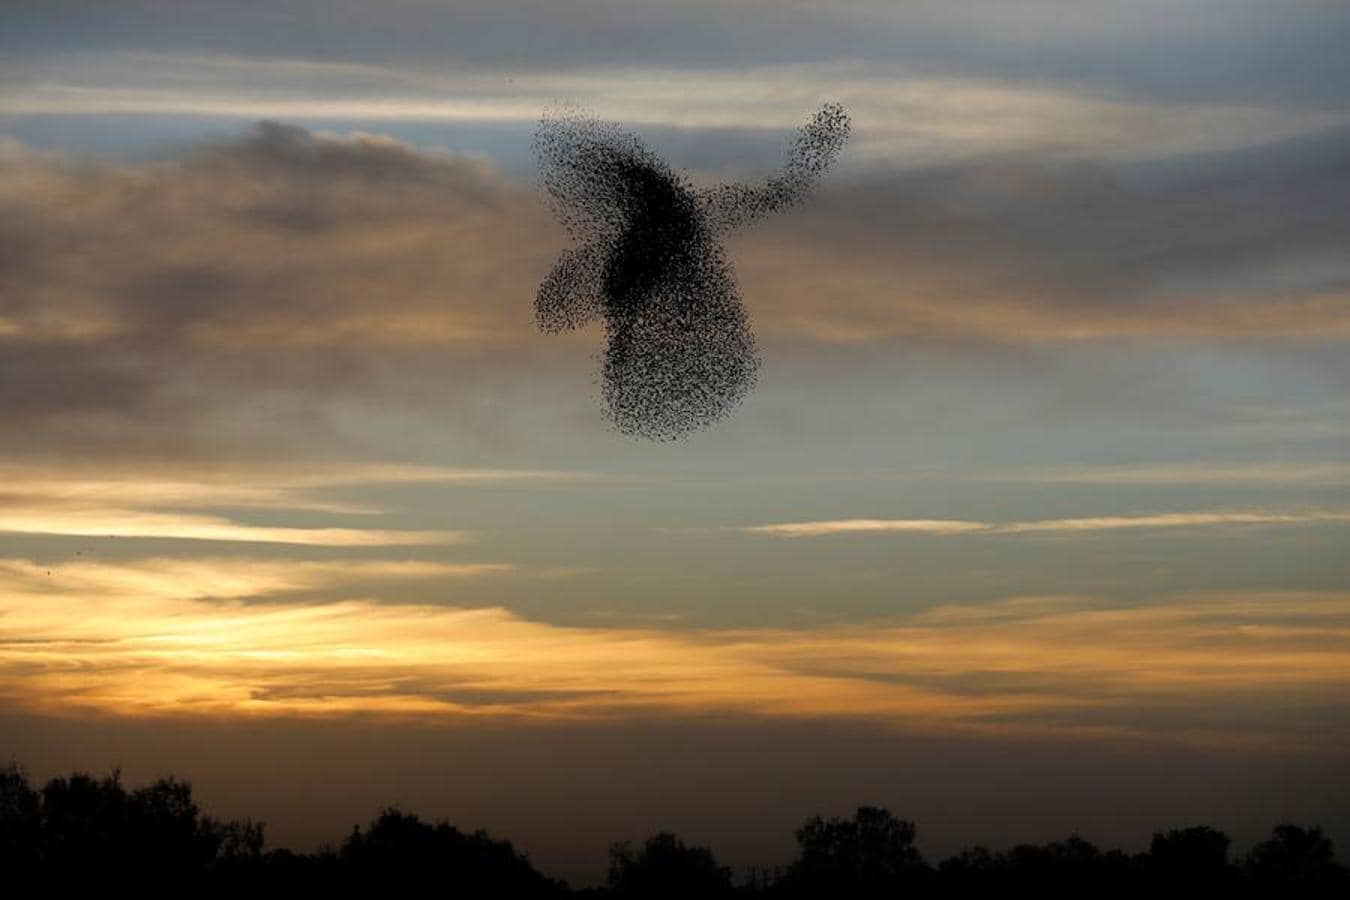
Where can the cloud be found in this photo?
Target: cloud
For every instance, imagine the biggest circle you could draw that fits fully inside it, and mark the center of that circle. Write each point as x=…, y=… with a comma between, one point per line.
x=1258, y=473
x=1049, y=526
x=148, y=501
x=853, y=526
x=1267, y=52
x=129, y=523
x=1175, y=520
x=275, y=484
x=1221, y=246
x=903, y=113
x=207, y=578
x=244, y=292
x=244, y=289
x=138, y=638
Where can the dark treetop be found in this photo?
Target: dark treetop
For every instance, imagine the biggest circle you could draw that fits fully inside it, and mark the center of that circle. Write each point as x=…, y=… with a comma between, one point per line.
x=88, y=836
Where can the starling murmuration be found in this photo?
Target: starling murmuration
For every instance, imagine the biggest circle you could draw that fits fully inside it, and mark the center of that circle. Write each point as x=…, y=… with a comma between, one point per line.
x=648, y=260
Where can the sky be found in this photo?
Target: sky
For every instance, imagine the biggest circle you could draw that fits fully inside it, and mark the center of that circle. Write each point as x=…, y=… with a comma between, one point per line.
x=1037, y=522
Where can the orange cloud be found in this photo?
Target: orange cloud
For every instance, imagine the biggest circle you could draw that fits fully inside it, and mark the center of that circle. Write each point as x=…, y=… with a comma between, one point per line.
x=139, y=638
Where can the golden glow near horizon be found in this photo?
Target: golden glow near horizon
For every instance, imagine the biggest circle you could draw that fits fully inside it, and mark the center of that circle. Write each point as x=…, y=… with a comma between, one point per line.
x=218, y=637
x=263, y=635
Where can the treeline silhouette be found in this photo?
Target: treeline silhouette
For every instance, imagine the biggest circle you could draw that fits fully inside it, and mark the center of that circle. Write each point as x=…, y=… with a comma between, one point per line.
x=91, y=833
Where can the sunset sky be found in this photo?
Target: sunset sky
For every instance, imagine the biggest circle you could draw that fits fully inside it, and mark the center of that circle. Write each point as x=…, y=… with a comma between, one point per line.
x=1038, y=521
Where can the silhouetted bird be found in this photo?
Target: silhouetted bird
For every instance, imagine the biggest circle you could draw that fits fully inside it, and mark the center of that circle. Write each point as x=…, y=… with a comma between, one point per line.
x=680, y=352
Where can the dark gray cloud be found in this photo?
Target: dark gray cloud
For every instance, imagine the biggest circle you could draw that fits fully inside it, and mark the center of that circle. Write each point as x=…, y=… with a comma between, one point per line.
x=263, y=274
x=1248, y=244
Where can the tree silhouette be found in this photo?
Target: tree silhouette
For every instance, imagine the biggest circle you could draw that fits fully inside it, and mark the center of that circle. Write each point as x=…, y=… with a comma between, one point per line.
x=400, y=851
x=1191, y=858
x=666, y=867
x=1059, y=867
x=1297, y=860
x=870, y=855
x=86, y=831
x=20, y=822
x=90, y=834
x=972, y=872
x=1068, y=868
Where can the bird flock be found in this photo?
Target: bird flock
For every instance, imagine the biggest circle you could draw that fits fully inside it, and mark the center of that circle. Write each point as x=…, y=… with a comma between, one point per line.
x=647, y=259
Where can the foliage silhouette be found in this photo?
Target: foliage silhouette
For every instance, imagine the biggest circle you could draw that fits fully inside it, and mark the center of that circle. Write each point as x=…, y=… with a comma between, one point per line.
x=400, y=851
x=665, y=867
x=870, y=855
x=94, y=835
x=1301, y=859
x=1192, y=859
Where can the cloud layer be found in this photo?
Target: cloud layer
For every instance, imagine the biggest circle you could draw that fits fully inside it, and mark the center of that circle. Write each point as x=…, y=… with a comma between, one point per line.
x=249, y=285
x=209, y=637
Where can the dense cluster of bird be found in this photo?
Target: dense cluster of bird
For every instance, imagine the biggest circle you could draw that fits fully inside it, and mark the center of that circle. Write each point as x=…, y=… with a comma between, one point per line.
x=648, y=260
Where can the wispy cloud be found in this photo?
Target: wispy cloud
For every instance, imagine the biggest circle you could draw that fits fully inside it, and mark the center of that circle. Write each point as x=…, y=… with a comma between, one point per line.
x=133, y=523
x=142, y=638
x=901, y=113
x=1175, y=520
x=139, y=502
x=857, y=526
x=1294, y=473
x=200, y=578
x=1075, y=525
x=269, y=484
